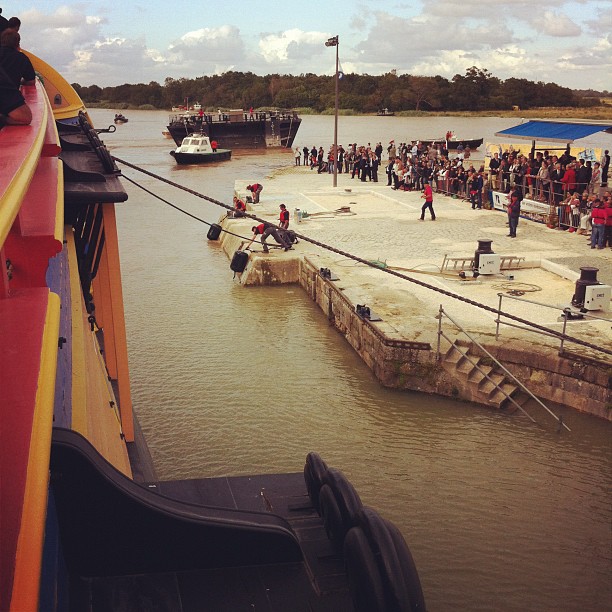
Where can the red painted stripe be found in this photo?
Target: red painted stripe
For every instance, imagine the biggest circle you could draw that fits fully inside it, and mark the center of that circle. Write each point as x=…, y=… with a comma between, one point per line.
x=22, y=319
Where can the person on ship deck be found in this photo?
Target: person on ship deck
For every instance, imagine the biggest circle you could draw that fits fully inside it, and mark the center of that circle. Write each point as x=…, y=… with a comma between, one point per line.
x=13, y=107
x=16, y=64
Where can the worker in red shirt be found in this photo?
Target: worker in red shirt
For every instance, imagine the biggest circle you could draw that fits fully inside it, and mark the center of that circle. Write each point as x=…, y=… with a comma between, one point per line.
x=255, y=189
x=283, y=220
x=264, y=230
x=239, y=207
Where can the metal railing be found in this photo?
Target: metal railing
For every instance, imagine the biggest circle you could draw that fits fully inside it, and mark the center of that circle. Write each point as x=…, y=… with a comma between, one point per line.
x=567, y=313
x=442, y=313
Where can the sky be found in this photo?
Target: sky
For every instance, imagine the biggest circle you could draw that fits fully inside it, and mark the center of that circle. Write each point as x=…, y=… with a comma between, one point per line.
x=104, y=43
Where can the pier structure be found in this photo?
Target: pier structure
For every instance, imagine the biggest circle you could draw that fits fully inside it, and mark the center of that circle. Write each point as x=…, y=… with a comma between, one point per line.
x=410, y=299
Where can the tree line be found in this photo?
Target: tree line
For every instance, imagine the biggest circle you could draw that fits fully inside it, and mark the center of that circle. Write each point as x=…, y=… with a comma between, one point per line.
x=476, y=90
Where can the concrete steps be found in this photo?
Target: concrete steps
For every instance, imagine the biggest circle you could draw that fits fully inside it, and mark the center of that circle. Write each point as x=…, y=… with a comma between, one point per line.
x=484, y=382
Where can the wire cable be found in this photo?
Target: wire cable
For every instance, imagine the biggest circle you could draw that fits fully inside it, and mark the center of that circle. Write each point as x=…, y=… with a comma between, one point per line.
x=386, y=270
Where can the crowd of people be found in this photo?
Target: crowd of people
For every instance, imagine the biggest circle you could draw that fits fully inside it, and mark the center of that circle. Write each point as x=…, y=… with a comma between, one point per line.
x=571, y=186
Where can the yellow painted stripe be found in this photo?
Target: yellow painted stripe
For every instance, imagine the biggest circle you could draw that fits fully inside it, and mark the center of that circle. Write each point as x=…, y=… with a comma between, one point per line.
x=111, y=245
x=28, y=560
x=56, y=84
x=79, y=377
x=10, y=200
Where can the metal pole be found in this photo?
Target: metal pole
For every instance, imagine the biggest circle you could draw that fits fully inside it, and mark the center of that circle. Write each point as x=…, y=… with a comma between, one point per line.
x=336, y=120
x=334, y=42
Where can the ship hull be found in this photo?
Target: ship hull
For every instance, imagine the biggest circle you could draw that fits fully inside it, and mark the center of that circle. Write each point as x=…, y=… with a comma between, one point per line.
x=201, y=158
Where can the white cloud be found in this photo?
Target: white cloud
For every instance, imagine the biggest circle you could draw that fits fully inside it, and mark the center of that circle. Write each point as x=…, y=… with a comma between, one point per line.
x=556, y=24
x=291, y=45
x=511, y=38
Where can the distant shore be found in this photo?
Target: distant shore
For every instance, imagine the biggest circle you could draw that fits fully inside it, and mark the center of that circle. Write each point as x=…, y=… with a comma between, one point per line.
x=594, y=113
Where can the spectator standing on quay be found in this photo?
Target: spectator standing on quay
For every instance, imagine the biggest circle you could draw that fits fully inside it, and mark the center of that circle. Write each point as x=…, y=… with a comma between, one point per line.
x=428, y=196
x=298, y=156
x=595, y=178
x=599, y=217
x=305, y=151
x=493, y=172
x=514, y=210
x=605, y=167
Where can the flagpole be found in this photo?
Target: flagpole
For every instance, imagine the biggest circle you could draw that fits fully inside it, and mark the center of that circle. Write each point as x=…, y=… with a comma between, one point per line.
x=334, y=42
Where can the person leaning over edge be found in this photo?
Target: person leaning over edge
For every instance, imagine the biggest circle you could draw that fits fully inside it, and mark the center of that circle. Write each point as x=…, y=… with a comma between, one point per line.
x=264, y=230
x=255, y=189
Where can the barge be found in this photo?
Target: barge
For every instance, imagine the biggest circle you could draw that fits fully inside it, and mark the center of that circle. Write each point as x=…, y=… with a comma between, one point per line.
x=238, y=129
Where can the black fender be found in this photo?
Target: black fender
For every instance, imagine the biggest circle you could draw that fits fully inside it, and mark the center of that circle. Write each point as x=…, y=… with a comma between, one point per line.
x=332, y=517
x=347, y=498
x=314, y=472
x=365, y=582
x=384, y=550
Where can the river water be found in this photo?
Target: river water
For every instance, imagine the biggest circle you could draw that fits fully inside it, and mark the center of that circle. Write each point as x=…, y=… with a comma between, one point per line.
x=499, y=514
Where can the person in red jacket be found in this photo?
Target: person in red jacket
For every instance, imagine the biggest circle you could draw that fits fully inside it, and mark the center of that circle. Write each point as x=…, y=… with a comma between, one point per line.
x=283, y=220
x=608, y=236
x=239, y=207
x=255, y=189
x=428, y=196
x=264, y=230
x=599, y=217
x=569, y=179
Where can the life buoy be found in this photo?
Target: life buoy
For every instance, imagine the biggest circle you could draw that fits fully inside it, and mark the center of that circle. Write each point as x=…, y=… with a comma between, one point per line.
x=332, y=518
x=365, y=582
x=383, y=545
x=314, y=472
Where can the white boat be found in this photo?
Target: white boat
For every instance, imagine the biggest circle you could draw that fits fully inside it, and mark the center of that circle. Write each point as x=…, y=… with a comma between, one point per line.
x=197, y=149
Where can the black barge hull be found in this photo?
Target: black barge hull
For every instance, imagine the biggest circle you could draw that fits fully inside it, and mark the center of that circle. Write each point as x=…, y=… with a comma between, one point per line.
x=265, y=130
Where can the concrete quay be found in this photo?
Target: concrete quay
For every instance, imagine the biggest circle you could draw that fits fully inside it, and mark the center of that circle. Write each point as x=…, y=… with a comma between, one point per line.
x=401, y=341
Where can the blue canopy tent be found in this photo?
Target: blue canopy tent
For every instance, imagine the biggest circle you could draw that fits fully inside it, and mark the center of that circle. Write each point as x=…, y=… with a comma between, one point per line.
x=554, y=131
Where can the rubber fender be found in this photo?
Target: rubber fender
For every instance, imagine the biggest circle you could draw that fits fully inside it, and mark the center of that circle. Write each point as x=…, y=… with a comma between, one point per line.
x=214, y=231
x=409, y=570
x=332, y=519
x=314, y=472
x=365, y=582
x=239, y=261
x=347, y=498
x=383, y=547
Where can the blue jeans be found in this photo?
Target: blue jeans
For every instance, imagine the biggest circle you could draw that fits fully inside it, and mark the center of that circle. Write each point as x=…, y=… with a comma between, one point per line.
x=513, y=223
x=598, y=233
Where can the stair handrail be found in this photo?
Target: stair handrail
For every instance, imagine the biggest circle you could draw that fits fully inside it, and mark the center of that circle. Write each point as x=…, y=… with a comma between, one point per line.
x=442, y=312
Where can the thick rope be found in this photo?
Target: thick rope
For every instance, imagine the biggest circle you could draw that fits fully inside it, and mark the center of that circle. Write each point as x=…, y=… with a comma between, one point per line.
x=365, y=262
